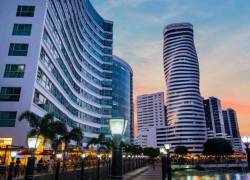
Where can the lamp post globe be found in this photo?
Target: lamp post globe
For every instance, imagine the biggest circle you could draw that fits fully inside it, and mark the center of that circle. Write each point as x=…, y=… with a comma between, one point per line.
x=117, y=129
x=246, y=141
x=33, y=144
x=13, y=155
x=12, y=164
x=167, y=146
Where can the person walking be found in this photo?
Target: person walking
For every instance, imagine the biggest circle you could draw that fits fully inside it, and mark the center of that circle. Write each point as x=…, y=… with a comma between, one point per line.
x=17, y=167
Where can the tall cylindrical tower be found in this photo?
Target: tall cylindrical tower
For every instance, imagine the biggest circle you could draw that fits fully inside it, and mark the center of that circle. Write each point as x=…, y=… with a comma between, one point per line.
x=184, y=104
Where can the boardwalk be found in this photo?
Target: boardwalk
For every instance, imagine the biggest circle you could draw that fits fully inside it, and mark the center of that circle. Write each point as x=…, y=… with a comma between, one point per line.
x=147, y=173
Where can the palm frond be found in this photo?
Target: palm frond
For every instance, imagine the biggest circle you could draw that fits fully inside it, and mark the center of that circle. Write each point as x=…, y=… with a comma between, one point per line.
x=32, y=132
x=76, y=135
x=31, y=118
x=59, y=128
x=47, y=119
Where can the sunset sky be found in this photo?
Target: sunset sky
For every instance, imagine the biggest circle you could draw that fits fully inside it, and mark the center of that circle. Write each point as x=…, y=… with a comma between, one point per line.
x=222, y=39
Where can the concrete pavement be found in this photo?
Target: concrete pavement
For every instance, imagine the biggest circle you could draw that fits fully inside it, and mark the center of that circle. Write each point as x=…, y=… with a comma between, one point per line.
x=146, y=173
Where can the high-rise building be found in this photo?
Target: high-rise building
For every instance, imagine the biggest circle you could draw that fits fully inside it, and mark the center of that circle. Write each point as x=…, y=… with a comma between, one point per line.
x=232, y=128
x=151, y=120
x=122, y=95
x=214, y=118
x=150, y=110
x=185, y=111
x=56, y=56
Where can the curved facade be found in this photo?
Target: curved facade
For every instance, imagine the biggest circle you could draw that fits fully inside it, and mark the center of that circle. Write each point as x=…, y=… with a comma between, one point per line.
x=74, y=78
x=122, y=94
x=184, y=104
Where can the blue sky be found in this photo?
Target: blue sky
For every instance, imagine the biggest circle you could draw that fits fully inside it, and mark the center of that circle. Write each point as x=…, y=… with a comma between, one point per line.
x=222, y=38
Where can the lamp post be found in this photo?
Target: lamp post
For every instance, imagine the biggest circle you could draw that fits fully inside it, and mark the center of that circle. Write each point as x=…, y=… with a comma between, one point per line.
x=98, y=166
x=58, y=164
x=33, y=143
x=246, y=141
x=11, y=167
x=117, y=128
x=82, y=165
x=163, y=163
x=168, y=162
x=109, y=163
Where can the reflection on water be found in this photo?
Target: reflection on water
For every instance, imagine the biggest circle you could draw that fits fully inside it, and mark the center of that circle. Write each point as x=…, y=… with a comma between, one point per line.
x=209, y=175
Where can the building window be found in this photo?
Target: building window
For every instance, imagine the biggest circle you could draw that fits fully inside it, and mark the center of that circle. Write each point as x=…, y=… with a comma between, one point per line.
x=7, y=118
x=22, y=29
x=26, y=11
x=18, y=49
x=10, y=93
x=14, y=70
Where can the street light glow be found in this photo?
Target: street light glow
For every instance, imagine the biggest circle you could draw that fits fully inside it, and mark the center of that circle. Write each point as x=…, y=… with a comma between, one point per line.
x=117, y=126
x=59, y=156
x=245, y=139
x=13, y=154
x=33, y=142
x=167, y=146
x=83, y=156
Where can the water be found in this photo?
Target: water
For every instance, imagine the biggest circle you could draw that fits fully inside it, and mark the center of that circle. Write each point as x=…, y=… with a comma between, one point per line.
x=209, y=175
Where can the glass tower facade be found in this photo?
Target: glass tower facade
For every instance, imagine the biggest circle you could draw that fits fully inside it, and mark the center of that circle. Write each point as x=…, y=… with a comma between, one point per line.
x=122, y=95
x=214, y=117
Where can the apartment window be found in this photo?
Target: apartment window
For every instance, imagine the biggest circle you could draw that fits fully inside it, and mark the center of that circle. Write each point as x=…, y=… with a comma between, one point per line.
x=22, y=29
x=14, y=70
x=7, y=118
x=16, y=49
x=25, y=11
x=10, y=93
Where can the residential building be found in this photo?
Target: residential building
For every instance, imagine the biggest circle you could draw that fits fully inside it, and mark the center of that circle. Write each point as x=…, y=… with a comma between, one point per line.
x=185, y=113
x=214, y=118
x=122, y=95
x=56, y=56
x=151, y=119
x=232, y=128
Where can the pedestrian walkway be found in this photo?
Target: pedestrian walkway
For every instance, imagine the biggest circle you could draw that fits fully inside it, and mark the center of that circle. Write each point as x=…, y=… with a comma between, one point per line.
x=146, y=173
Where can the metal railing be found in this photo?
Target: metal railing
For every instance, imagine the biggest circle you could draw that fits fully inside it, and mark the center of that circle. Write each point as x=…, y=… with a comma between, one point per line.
x=93, y=169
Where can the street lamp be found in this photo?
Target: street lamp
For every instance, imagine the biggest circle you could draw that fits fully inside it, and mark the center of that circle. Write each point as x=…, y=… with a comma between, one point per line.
x=58, y=164
x=167, y=147
x=117, y=128
x=246, y=141
x=82, y=165
x=11, y=167
x=98, y=165
x=33, y=143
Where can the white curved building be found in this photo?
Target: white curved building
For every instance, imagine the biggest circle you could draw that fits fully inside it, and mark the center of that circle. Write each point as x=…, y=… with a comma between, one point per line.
x=56, y=57
x=184, y=104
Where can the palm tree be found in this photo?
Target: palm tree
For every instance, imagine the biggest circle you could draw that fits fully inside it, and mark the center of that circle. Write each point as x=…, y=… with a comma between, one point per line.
x=44, y=126
x=100, y=141
x=75, y=134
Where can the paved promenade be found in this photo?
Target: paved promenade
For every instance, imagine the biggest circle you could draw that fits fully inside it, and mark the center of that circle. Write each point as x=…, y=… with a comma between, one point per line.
x=146, y=173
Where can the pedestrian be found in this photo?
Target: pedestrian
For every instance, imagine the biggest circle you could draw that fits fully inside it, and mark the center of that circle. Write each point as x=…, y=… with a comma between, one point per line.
x=17, y=167
x=40, y=165
x=51, y=165
x=152, y=162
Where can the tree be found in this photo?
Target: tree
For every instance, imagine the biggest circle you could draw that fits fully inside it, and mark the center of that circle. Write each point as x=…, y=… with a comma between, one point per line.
x=181, y=150
x=151, y=152
x=217, y=147
x=98, y=141
x=44, y=126
x=75, y=134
